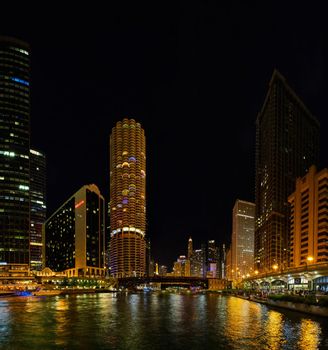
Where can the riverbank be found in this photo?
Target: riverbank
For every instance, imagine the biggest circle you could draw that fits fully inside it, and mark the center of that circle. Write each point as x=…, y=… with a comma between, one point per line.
x=300, y=307
x=54, y=292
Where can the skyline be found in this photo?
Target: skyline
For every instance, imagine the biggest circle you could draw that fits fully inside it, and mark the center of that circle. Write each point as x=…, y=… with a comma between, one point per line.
x=165, y=74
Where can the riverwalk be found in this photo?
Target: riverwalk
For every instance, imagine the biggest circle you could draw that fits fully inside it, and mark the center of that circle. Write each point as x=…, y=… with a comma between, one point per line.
x=299, y=307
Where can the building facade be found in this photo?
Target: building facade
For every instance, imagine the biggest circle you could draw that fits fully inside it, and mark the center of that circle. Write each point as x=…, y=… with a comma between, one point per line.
x=287, y=144
x=37, y=205
x=197, y=263
x=14, y=151
x=213, y=259
x=182, y=267
x=128, y=199
x=309, y=219
x=228, y=265
x=242, y=240
x=190, y=248
x=222, y=265
x=74, y=235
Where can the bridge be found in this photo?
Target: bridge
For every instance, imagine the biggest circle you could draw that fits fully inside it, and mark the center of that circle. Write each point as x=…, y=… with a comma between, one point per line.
x=310, y=277
x=163, y=281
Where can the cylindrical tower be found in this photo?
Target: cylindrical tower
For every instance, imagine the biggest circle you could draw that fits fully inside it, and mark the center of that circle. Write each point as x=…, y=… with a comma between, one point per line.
x=127, y=199
x=14, y=150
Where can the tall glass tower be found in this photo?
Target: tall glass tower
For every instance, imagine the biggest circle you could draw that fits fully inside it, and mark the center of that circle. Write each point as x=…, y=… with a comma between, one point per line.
x=127, y=199
x=38, y=206
x=287, y=144
x=14, y=151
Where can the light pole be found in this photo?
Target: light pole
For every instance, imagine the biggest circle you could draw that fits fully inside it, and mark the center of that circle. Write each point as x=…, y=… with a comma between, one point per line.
x=309, y=260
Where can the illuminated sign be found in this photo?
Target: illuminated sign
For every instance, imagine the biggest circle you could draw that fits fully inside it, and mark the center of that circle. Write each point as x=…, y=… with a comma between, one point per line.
x=79, y=204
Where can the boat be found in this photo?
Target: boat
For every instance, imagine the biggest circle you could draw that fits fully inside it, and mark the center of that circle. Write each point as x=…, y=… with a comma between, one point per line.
x=45, y=292
x=23, y=293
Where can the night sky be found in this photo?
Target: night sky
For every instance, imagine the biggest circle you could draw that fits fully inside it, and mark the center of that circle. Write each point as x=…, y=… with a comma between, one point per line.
x=194, y=75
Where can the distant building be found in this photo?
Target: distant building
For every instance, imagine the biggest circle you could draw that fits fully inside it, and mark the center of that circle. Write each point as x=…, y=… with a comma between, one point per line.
x=38, y=206
x=151, y=268
x=182, y=267
x=228, y=265
x=212, y=259
x=222, y=265
x=287, y=144
x=74, y=235
x=309, y=219
x=128, y=199
x=162, y=271
x=242, y=242
x=190, y=249
x=197, y=263
x=15, y=109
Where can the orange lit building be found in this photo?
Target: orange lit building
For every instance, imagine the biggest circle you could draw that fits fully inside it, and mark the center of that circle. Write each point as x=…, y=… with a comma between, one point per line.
x=127, y=199
x=309, y=219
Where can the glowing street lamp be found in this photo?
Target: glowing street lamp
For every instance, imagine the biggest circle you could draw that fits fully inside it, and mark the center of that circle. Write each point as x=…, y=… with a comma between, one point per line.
x=310, y=259
x=275, y=267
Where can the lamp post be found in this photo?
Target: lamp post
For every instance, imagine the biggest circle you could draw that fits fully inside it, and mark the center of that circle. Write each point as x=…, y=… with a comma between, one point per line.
x=309, y=260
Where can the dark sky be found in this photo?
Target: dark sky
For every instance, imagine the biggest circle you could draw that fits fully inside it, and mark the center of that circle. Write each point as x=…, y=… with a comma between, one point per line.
x=194, y=75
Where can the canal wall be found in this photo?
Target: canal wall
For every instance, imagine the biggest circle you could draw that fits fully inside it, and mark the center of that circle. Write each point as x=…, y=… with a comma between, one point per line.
x=309, y=309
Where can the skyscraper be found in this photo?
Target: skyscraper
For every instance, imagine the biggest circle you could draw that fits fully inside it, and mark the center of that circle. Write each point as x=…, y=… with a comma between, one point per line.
x=190, y=249
x=287, y=144
x=74, y=235
x=309, y=219
x=242, y=242
x=14, y=150
x=212, y=259
x=38, y=206
x=128, y=199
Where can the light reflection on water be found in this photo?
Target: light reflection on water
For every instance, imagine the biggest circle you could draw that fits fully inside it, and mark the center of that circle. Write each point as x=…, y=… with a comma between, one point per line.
x=155, y=321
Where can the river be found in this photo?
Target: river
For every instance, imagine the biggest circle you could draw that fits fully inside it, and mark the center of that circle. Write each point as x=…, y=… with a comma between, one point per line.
x=154, y=321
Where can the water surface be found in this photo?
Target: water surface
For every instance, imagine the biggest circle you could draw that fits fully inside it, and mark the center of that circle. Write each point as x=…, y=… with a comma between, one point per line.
x=154, y=321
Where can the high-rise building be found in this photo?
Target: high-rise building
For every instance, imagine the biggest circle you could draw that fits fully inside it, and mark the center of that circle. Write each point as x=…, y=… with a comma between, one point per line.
x=182, y=267
x=228, y=265
x=128, y=199
x=162, y=271
x=212, y=259
x=309, y=219
x=74, y=235
x=190, y=249
x=38, y=206
x=287, y=144
x=197, y=263
x=14, y=151
x=242, y=240
x=222, y=265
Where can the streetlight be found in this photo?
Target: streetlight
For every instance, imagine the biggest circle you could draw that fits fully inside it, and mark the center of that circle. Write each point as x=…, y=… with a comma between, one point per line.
x=308, y=259
x=275, y=267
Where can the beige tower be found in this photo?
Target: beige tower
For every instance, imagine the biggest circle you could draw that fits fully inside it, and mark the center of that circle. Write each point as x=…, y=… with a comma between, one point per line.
x=127, y=199
x=242, y=240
